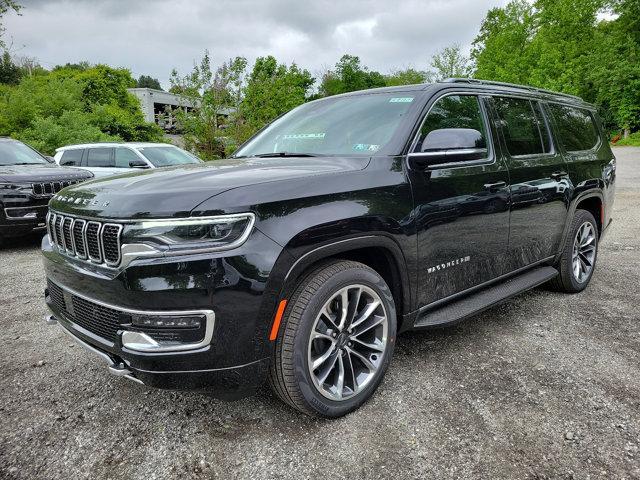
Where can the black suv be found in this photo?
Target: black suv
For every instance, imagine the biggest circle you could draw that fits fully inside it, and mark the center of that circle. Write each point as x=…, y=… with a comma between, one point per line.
x=27, y=183
x=344, y=222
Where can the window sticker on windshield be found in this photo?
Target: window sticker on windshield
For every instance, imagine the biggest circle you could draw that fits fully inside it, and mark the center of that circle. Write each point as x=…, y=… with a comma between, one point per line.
x=401, y=100
x=303, y=136
x=365, y=147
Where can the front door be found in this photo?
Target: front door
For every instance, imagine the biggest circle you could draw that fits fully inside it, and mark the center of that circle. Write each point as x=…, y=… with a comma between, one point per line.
x=540, y=186
x=462, y=209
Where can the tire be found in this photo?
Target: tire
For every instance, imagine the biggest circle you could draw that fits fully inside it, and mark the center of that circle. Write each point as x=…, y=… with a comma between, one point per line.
x=290, y=374
x=568, y=280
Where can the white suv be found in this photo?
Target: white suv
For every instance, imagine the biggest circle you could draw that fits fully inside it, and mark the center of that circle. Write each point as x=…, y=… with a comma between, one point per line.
x=104, y=159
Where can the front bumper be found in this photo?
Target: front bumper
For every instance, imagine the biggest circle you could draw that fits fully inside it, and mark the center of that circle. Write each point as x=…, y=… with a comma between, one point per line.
x=228, y=383
x=233, y=361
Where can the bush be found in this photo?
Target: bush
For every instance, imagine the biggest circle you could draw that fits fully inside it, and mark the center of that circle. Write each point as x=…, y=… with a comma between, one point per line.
x=632, y=140
x=74, y=105
x=47, y=134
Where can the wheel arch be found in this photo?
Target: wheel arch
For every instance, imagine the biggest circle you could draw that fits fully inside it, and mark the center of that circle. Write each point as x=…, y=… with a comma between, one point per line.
x=378, y=252
x=593, y=202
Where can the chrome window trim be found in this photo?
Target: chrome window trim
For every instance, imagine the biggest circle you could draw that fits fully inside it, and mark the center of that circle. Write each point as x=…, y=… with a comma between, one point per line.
x=185, y=347
x=591, y=112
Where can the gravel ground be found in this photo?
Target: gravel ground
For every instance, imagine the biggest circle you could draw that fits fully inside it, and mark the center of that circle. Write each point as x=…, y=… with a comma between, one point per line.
x=545, y=386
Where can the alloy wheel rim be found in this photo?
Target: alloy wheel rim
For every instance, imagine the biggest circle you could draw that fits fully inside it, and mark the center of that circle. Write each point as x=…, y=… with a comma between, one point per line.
x=348, y=341
x=584, y=252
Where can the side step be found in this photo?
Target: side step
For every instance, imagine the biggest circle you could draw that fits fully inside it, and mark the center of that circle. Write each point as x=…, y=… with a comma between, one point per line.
x=485, y=298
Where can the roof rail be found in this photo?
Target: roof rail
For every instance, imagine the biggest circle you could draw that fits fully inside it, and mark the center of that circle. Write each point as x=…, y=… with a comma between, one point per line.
x=512, y=85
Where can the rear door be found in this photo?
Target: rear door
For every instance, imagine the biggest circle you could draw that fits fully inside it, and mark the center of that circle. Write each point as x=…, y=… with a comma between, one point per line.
x=101, y=161
x=540, y=186
x=461, y=211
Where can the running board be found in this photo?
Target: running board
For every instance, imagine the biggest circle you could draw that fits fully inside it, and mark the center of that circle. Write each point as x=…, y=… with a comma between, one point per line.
x=485, y=298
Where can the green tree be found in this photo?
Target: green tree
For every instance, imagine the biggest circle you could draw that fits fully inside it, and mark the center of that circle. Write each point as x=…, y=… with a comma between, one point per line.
x=272, y=89
x=69, y=105
x=145, y=81
x=215, y=96
x=563, y=45
x=10, y=73
x=5, y=6
x=408, y=76
x=449, y=62
x=348, y=76
x=501, y=49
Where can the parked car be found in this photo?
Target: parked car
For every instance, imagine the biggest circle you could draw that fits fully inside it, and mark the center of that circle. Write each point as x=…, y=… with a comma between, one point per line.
x=104, y=159
x=27, y=183
x=344, y=222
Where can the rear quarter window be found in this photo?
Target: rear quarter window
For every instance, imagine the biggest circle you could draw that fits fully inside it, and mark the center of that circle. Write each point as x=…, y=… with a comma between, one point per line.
x=576, y=127
x=71, y=157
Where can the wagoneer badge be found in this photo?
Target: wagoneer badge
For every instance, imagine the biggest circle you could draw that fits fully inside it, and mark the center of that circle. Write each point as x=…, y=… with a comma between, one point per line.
x=80, y=201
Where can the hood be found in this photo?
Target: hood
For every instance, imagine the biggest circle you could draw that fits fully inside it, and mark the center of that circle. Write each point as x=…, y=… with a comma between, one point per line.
x=175, y=191
x=40, y=173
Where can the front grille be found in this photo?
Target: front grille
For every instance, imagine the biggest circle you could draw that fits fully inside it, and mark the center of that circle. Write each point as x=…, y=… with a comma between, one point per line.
x=57, y=298
x=99, y=320
x=102, y=321
x=51, y=188
x=87, y=240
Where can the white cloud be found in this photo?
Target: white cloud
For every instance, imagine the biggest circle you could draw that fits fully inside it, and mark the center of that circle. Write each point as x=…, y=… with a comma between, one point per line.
x=151, y=37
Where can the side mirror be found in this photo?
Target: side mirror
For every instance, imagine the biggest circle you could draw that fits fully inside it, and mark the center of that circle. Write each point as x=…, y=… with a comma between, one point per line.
x=138, y=164
x=449, y=145
x=50, y=159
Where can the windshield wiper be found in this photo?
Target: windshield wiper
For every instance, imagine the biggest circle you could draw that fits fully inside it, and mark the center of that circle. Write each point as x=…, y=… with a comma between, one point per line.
x=285, y=154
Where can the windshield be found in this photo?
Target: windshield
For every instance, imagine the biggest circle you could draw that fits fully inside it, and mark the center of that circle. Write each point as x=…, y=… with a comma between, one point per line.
x=352, y=125
x=16, y=153
x=166, y=156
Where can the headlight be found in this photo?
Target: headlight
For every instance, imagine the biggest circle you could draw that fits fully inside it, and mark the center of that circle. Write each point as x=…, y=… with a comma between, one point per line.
x=205, y=233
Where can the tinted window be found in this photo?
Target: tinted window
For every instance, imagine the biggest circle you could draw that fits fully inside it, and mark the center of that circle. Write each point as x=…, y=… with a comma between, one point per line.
x=100, y=157
x=71, y=157
x=124, y=156
x=17, y=153
x=166, y=156
x=576, y=128
x=523, y=127
x=353, y=125
x=455, y=111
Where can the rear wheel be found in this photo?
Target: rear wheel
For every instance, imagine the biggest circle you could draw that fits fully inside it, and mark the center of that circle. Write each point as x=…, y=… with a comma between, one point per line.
x=335, y=341
x=578, y=259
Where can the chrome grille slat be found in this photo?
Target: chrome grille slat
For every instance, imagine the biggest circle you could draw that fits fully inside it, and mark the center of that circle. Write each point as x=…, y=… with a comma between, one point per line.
x=78, y=238
x=89, y=240
x=51, y=188
x=67, y=227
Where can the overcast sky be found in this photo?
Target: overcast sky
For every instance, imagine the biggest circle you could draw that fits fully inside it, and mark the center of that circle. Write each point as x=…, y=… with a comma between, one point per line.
x=152, y=36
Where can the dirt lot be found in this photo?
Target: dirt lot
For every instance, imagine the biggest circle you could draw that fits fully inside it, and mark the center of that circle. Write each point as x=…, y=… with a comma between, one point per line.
x=546, y=386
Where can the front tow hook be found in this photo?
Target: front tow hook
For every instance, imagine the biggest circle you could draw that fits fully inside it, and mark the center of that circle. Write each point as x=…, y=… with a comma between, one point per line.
x=50, y=319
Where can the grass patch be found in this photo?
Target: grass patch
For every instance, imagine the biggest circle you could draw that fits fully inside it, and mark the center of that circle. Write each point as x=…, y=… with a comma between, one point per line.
x=632, y=141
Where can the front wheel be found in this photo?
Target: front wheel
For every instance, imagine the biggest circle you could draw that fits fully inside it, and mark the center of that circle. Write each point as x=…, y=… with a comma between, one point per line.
x=335, y=341
x=578, y=259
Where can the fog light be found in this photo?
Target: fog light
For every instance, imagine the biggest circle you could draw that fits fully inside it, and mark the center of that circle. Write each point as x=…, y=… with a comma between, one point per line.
x=167, y=321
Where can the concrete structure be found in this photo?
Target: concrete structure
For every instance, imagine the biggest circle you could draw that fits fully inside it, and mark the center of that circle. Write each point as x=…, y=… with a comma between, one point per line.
x=159, y=106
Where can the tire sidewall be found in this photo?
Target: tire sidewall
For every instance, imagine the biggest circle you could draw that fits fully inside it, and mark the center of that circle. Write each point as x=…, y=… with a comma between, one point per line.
x=582, y=217
x=319, y=403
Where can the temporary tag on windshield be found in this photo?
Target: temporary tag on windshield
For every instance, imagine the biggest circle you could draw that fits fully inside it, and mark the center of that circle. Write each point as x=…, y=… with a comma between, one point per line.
x=362, y=147
x=401, y=100
x=303, y=136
